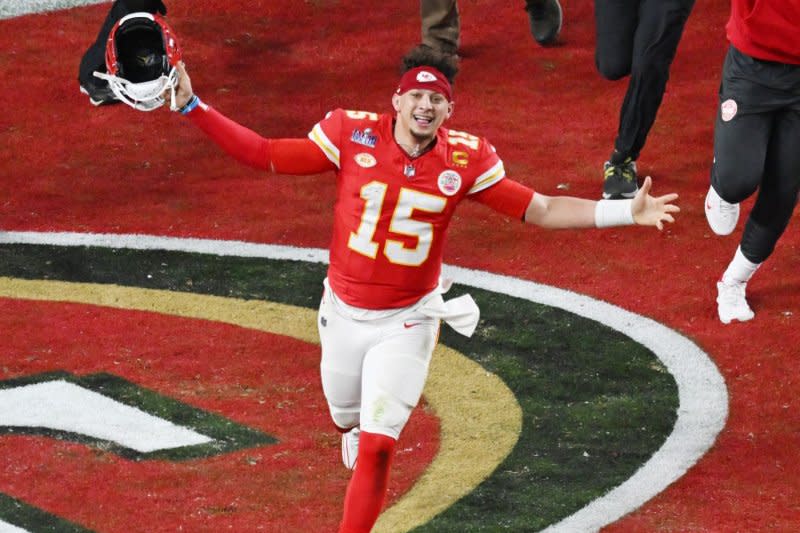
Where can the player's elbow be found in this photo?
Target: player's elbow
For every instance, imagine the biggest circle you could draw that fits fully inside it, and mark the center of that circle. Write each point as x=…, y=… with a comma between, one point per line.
x=536, y=212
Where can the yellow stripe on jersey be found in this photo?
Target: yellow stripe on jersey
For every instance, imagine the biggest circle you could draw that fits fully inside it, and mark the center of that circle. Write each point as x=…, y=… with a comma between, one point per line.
x=330, y=150
x=488, y=178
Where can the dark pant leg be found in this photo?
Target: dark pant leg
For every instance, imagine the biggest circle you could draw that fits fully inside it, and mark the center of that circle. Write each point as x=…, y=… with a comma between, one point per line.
x=95, y=56
x=655, y=43
x=616, y=22
x=740, y=150
x=742, y=130
x=440, y=24
x=777, y=196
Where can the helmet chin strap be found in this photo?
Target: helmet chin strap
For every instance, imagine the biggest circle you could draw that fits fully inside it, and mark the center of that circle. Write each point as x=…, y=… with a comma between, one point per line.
x=173, y=84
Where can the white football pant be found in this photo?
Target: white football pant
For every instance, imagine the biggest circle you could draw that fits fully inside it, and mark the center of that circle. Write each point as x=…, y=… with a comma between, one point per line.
x=373, y=371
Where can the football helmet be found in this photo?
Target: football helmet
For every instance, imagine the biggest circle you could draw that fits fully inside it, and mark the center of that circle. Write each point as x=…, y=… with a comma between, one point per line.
x=141, y=58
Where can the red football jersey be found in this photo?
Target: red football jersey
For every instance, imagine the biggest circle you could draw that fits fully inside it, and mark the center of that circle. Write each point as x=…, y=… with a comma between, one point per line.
x=392, y=211
x=766, y=30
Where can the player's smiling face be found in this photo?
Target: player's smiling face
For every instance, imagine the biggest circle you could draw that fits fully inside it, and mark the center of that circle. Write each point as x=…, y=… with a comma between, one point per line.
x=420, y=112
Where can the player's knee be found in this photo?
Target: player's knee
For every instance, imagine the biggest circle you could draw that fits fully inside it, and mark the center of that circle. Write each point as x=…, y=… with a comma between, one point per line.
x=343, y=394
x=345, y=417
x=387, y=415
x=734, y=180
x=612, y=68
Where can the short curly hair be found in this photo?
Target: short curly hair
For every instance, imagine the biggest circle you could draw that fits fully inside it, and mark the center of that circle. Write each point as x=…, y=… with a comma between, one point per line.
x=424, y=56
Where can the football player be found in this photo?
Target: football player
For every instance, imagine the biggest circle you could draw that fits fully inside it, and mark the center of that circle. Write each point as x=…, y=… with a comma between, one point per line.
x=399, y=178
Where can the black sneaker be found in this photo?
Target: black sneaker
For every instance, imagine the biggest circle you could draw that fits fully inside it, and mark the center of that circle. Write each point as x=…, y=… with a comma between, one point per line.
x=545, y=18
x=99, y=93
x=620, y=181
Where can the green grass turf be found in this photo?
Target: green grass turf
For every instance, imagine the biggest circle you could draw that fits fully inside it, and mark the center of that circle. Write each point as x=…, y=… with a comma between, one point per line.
x=595, y=404
x=595, y=407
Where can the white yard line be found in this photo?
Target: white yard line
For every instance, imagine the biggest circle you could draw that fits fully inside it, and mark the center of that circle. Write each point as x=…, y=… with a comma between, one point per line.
x=16, y=8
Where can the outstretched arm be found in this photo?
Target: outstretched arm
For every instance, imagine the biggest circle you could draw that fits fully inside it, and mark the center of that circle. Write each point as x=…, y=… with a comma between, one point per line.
x=559, y=212
x=285, y=156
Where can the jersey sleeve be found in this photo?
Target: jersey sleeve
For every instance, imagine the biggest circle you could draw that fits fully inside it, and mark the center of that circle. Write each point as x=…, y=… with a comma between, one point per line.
x=492, y=168
x=298, y=157
x=326, y=134
x=507, y=196
x=284, y=156
x=493, y=189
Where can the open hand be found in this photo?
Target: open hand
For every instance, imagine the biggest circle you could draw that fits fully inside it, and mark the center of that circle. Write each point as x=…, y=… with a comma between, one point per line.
x=653, y=211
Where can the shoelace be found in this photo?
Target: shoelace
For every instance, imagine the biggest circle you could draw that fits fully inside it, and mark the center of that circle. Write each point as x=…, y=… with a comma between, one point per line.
x=625, y=170
x=627, y=173
x=727, y=209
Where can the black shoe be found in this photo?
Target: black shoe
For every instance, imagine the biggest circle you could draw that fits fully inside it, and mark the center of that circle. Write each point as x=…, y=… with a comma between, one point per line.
x=545, y=18
x=99, y=93
x=620, y=181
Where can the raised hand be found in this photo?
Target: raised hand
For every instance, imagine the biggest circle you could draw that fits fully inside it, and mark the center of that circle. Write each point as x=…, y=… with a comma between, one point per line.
x=653, y=211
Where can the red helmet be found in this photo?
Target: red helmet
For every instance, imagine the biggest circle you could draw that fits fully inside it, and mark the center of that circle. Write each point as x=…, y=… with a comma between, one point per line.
x=141, y=58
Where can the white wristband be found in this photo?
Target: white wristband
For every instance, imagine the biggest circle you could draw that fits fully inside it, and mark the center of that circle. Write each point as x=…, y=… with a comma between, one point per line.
x=608, y=213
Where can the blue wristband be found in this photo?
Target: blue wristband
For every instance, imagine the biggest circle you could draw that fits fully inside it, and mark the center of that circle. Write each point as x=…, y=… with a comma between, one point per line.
x=193, y=102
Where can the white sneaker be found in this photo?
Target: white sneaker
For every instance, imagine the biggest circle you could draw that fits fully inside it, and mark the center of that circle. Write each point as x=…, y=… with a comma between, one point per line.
x=722, y=216
x=732, y=304
x=350, y=448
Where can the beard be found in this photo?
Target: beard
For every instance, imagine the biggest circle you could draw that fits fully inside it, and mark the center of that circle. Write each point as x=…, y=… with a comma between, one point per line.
x=422, y=137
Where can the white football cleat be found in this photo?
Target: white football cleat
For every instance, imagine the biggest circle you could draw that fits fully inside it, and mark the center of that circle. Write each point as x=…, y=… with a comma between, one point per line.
x=350, y=448
x=721, y=215
x=732, y=304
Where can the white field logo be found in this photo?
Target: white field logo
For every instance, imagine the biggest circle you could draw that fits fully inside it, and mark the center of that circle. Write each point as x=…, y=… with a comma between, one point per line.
x=63, y=406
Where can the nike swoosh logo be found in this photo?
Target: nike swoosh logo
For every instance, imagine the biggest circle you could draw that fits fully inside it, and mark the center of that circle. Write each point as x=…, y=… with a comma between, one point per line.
x=410, y=324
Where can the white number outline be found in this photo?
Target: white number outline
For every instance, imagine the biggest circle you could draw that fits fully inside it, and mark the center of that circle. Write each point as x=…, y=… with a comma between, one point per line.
x=459, y=137
x=362, y=240
x=358, y=115
x=402, y=223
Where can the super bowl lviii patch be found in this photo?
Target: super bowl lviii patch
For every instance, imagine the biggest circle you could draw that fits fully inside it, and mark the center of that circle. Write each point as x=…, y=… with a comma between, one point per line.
x=449, y=182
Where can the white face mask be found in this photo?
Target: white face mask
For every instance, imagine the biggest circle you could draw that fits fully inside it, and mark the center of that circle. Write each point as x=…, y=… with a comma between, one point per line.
x=144, y=96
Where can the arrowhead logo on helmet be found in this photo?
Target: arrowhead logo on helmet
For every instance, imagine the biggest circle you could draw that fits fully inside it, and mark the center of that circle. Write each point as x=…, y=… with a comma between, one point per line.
x=142, y=54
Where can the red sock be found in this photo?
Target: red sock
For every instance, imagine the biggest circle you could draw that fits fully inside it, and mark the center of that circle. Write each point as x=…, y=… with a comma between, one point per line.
x=366, y=491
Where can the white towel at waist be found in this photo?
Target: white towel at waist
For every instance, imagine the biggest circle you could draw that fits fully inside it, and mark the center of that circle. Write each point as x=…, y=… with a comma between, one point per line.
x=461, y=313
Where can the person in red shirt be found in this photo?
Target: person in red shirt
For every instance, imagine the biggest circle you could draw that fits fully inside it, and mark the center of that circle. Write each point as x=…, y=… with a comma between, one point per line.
x=756, y=138
x=399, y=178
